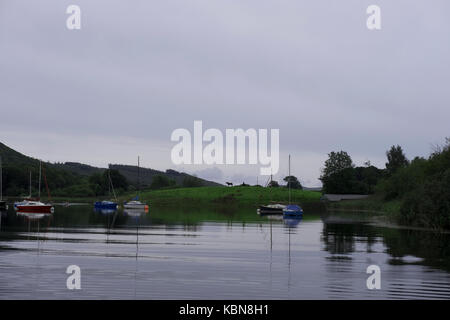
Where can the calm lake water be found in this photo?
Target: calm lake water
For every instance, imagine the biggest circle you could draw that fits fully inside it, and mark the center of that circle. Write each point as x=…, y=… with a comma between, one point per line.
x=201, y=254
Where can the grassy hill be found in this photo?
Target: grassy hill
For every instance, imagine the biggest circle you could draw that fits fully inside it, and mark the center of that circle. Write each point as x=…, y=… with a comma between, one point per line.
x=16, y=174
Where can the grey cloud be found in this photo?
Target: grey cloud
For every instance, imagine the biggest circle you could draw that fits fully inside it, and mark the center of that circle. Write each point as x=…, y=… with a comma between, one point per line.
x=309, y=68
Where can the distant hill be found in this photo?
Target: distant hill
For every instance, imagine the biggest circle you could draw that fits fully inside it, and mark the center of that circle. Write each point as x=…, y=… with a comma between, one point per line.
x=12, y=156
x=62, y=175
x=79, y=168
x=146, y=175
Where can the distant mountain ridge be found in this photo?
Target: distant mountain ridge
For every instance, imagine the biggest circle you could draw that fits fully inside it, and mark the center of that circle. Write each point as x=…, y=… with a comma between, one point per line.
x=11, y=156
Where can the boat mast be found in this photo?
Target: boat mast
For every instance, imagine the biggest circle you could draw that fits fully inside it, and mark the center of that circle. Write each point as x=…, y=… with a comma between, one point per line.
x=30, y=185
x=112, y=186
x=138, y=181
x=1, y=179
x=40, y=173
x=289, y=179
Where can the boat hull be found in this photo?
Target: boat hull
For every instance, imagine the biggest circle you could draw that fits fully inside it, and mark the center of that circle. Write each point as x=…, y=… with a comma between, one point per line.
x=270, y=210
x=293, y=211
x=135, y=206
x=105, y=205
x=35, y=208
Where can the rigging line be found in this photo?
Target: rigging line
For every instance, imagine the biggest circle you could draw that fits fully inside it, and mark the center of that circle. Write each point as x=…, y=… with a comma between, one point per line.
x=46, y=184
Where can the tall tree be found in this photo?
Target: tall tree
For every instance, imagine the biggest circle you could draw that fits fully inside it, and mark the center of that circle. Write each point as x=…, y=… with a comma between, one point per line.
x=118, y=180
x=336, y=162
x=273, y=184
x=293, y=182
x=396, y=159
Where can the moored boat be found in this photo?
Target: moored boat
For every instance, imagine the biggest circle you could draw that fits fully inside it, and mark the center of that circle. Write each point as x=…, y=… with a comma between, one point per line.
x=135, y=203
x=34, y=207
x=26, y=200
x=105, y=204
x=271, y=209
x=109, y=205
x=292, y=210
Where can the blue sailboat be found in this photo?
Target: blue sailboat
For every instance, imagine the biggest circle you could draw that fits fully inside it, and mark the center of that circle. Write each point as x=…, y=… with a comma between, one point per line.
x=292, y=210
x=107, y=205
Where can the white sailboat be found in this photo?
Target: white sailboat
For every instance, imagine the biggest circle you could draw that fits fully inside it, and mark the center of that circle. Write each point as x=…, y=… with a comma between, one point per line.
x=26, y=200
x=135, y=203
x=35, y=206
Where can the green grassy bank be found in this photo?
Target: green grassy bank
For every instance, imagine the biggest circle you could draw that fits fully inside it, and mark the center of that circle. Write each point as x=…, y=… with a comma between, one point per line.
x=228, y=195
x=225, y=196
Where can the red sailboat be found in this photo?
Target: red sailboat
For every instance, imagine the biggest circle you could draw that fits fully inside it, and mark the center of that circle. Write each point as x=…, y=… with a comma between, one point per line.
x=35, y=205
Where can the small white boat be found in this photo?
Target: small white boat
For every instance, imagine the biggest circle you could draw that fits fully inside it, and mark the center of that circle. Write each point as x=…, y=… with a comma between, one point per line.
x=34, y=205
x=271, y=209
x=135, y=204
x=26, y=200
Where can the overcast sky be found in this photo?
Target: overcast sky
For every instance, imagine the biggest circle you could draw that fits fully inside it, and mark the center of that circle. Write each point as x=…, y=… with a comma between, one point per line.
x=137, y=70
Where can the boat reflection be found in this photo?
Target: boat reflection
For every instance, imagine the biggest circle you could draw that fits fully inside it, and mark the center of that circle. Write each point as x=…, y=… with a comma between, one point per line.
x=105, y=211
x=33, y=216
x=292, y=221
x=269, y=216
x=135, y=213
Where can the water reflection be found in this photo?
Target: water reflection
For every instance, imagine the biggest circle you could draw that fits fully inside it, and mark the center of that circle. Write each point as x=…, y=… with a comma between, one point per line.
x=105, y=211
x=135, y=215
x=291, y=223
x=206, y=253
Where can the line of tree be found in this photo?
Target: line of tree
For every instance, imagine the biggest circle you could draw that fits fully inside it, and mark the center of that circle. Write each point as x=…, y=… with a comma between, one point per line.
x=341, y=176
x=63, y=183
x=421, y=186
x=291, y=181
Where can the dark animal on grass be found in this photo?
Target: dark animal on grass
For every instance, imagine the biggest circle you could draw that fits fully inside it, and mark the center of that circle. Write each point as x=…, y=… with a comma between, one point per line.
x=229, y=183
